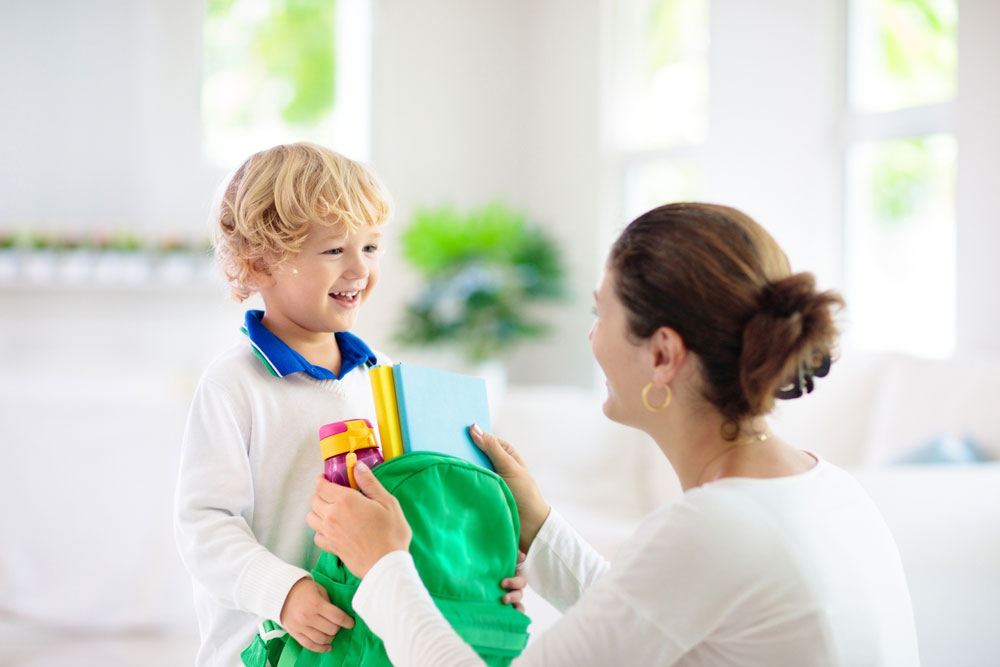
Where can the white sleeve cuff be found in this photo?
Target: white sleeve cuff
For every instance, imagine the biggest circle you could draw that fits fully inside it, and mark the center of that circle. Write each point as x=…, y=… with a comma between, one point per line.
x=560, y=565
x=390, y=569
x=393, y=602
x=264, y=585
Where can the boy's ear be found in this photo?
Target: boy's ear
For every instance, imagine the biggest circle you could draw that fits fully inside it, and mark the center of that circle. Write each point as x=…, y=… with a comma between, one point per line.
x=260, y=273
x=668, y=354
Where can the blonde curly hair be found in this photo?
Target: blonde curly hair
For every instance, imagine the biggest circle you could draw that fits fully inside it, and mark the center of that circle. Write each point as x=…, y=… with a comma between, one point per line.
x=262, y=214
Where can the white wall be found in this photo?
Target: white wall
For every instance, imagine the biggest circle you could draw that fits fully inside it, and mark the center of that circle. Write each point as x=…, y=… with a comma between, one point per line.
x=478, y=100
x=471, y=101
x=101, y=124
x=978, y=174
x=774, y=102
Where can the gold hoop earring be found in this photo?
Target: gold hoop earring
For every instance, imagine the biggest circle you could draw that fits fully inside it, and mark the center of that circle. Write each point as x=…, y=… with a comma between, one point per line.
x=645, y=397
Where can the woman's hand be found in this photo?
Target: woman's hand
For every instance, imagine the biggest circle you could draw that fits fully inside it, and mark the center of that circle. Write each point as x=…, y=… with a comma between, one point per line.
x=531, y=506
x=360, y=529
x=515, y=586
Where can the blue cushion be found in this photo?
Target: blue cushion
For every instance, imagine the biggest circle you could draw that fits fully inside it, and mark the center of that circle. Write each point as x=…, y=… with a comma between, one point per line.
x=946, y=449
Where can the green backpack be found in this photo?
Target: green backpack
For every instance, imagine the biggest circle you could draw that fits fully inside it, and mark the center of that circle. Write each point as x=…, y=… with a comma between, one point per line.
x=465, y=536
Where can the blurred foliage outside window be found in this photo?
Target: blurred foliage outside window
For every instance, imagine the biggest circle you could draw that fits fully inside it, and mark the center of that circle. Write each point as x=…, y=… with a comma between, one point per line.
x=900, y=254
x=269, y=75
x=902, y=244
x=904, y=53
x=654, y=182
x=660, y=96
x=662, y=73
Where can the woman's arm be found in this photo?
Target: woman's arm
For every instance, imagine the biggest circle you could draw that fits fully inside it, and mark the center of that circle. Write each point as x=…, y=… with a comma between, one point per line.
x=561, y=565
x=361, y=528
x=603, y=628
x=371, y=536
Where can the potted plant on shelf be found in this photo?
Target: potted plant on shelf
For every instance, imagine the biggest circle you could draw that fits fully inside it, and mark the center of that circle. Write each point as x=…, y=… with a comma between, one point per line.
x=9, y=256
x=482, y=270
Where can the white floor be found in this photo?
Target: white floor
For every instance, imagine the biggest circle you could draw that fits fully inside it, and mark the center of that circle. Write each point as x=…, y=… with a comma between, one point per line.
x=70, y=649
x=33, y=647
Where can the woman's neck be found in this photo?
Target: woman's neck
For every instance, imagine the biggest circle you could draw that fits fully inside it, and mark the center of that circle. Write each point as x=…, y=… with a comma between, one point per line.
x=698, y=451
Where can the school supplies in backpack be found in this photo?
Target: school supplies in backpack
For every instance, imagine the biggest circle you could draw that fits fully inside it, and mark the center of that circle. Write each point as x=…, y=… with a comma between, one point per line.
x=465, y=540
x=427, y=409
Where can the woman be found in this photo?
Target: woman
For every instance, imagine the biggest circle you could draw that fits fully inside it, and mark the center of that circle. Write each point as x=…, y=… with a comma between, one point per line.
x=771, y=556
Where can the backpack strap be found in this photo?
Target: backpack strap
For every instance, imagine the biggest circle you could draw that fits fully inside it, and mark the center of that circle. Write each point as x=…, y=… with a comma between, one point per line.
x=269, y=630
x=266, y=646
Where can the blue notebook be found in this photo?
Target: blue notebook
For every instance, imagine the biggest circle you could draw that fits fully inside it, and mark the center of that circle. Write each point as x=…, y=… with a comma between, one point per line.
x=436, y=408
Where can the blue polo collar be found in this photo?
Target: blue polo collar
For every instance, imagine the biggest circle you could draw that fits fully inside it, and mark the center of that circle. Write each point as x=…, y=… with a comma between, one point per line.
x=282, y=360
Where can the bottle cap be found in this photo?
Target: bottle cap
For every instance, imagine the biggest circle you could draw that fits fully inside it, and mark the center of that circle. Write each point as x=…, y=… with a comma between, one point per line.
x=346, y=436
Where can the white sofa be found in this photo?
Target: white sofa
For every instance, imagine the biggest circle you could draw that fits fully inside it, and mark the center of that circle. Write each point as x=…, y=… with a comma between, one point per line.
x=89, y=574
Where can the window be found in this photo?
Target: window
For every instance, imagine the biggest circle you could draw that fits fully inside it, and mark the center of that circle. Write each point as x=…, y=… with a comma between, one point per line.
x=660, y=91
x=900, y=164
x=285, y=70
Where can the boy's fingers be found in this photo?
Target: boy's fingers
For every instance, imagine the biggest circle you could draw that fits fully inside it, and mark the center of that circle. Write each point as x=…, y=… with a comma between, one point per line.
x=514, y=583
x=330, y=617
x=325, y=625
x=314, y=640
x=338, y=617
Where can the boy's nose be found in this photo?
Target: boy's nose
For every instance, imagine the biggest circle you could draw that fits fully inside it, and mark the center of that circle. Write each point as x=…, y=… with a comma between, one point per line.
x=357, y=268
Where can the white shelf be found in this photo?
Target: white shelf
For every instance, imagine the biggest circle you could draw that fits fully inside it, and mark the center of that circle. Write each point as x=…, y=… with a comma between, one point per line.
x=106, y=270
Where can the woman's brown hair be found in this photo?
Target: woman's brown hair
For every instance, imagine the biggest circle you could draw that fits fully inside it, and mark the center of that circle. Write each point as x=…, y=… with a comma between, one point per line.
x=724, y=285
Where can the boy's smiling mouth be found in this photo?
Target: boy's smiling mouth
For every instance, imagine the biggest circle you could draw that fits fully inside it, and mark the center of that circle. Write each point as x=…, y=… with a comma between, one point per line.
x=346, y=297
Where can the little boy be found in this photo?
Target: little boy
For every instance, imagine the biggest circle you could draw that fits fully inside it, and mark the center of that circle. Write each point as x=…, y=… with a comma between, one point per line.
x=301, y=225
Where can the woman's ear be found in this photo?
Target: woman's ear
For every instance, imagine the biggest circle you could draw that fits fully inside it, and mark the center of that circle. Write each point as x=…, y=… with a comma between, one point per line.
x=668, y=354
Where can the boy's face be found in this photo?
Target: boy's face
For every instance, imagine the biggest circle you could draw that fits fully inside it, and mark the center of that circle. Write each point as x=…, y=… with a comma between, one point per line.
x=322, y=289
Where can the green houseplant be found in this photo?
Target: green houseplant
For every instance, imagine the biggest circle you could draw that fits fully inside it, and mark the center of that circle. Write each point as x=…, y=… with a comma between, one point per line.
x=481, y=272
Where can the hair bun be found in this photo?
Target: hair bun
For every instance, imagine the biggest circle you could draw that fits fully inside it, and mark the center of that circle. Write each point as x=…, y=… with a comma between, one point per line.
x=786, y=297
x=788, y=340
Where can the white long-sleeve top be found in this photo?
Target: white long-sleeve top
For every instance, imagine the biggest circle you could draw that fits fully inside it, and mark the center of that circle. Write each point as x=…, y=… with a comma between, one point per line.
x=249, y=463
x=799, y=570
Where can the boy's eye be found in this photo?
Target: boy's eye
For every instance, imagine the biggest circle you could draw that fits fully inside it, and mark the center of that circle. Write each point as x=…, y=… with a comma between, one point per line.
x=371, y=247
x=334, y=251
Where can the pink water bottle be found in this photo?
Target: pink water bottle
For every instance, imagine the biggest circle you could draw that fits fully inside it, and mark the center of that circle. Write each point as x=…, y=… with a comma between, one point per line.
x=344, y=444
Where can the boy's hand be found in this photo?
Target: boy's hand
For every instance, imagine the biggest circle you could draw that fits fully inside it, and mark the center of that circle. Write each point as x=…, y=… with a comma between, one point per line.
x=309, y=617
x=515, y=585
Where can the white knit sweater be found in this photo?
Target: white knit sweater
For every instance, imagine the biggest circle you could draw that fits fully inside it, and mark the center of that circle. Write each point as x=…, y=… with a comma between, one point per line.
x=249, y=463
